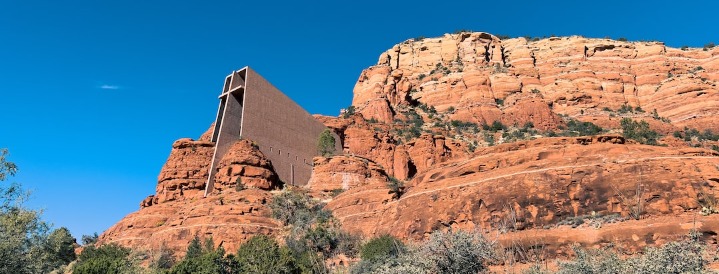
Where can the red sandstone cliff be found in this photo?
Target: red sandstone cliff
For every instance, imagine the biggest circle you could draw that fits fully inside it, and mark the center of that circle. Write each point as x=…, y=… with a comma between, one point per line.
x=410, y=110
x=178, y=211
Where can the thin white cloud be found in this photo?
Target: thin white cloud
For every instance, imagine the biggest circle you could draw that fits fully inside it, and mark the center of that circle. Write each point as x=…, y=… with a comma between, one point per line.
x=110, y=87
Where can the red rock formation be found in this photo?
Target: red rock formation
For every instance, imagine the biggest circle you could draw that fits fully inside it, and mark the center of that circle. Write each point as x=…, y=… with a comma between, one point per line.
x=179, y=212
x=472, y=71
x=532, y=184
x=519, y=190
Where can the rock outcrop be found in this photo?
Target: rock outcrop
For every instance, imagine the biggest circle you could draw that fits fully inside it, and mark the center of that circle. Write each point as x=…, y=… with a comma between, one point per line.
x=179, y=211
x=531, y=184
x=483, y=78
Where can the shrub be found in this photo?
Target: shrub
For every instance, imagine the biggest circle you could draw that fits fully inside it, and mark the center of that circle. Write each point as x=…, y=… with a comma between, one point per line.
x=458, y=252
x=496, y=126
x=297, y=209
x=205, y=259
x=462, y=126
x=89, y=239
x=326, y=143
x=590, y=262
x=396, y=187
x=409, y=263
x=261, y=254
x=489, y=138
x=625, y=109
x=674, y=257
x=239, y=186
x=163, y=258
x=499, y=102
x=426, y=108
x=639, y=131
x=382, y=247
x=348, y=244
x=349, y=112
x=450, y=109
x=577, y=128
x=110, y=259
x=314, y=233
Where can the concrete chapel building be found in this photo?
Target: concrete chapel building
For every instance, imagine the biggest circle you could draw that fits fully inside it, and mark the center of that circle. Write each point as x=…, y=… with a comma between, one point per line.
x=251, y=108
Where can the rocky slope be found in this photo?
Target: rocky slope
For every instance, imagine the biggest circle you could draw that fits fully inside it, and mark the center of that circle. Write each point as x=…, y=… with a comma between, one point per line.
x=450, y=87
x=482, y=133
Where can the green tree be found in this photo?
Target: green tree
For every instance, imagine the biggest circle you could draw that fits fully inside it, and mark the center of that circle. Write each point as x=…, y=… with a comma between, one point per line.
x=106, y=259
x=205, y=260
x=89, y=239
x=194, y=249
x=60, y=248
x=262, y=254
x=326, y=143
x=24, y=243
x=349, y=112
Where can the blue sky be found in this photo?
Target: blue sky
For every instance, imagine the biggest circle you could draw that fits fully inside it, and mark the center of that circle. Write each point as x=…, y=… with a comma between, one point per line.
x=95, y=92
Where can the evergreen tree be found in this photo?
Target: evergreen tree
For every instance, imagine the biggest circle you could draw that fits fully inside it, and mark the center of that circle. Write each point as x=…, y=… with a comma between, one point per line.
x=326, y=143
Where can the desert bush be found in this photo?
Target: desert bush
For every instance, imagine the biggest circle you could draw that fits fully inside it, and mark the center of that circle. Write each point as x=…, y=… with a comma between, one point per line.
x=639, y=131
x=591, y=261
x=261, y=254
x=382, y=247
x=162, y=258
x=685, y=256
x=578, y=128
x=461, y=126
x=106, y=259
x=349, y=111
x=494, y=127
x=489, y=139
x=297, y=209
x=674, y=257
x=326, y=143
x=314, y=233
x=408, y=263
x=396, y=187
x=89, y=239
x=458, y=252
